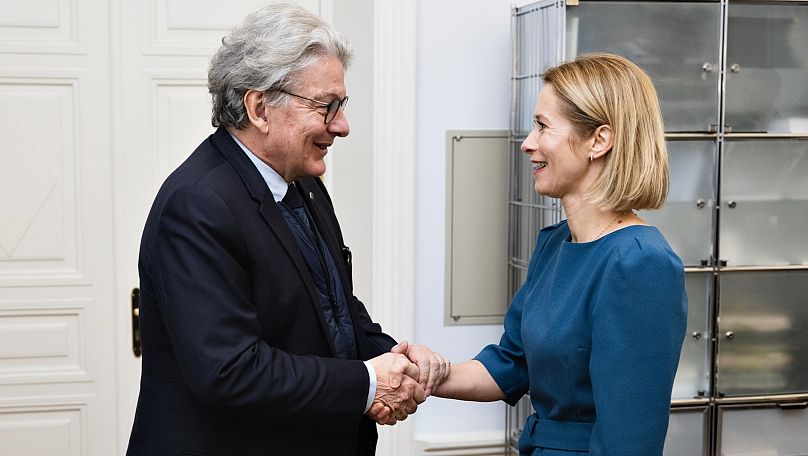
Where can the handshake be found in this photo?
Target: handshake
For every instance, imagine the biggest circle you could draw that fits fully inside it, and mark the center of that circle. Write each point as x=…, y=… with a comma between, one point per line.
x=405, y=378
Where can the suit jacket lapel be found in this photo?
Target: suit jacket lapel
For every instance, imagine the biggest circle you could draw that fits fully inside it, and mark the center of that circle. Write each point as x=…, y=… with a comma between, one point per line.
x=269, y=211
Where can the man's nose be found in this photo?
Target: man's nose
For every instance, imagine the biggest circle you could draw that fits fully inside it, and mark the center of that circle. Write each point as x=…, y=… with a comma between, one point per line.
x=339, y=125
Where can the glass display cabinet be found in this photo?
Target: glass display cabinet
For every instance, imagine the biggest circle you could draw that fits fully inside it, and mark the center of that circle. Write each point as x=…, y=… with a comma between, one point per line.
x=732, y=78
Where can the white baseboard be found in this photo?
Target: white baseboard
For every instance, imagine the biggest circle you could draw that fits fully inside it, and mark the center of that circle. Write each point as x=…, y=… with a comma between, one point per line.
x=461, y=444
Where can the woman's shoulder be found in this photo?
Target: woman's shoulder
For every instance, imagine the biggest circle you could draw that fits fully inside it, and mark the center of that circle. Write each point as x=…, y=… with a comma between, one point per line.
x=643, y=246
x=552, y=234
x=557, y=230
x=643, y=270
x=562, y=225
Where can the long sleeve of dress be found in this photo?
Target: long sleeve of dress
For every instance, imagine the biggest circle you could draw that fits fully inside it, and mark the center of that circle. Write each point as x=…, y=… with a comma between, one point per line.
x=506, y=362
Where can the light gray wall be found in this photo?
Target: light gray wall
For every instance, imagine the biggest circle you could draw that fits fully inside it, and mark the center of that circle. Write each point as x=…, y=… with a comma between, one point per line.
x=463, y=70
x=463, y=61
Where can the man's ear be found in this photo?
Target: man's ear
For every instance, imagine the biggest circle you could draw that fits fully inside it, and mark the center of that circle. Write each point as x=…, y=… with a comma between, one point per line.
x=602, y=141
x=256, y=110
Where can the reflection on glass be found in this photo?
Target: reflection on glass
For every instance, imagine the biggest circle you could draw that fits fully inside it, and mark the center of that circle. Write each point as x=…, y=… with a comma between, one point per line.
x=763, y=431
x=685, y=432
x=762, y=343
x=764, y=205
x=677, y=43
x=767, y=63
x=537, y=32
x=537, y=45
x=525, y=225
x=691, y=198
x=529, y=211
x=528, y=90
x=693, y=375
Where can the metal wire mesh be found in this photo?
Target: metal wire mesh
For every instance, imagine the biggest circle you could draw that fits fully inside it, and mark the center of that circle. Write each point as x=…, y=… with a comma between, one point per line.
x=537, y=37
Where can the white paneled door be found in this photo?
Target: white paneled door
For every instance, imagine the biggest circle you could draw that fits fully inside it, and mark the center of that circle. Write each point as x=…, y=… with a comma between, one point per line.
x=99, y=101
x=162, y=113
x=57, y=346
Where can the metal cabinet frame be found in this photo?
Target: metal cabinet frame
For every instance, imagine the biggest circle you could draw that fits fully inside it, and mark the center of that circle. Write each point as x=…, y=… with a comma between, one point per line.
x=548, y=211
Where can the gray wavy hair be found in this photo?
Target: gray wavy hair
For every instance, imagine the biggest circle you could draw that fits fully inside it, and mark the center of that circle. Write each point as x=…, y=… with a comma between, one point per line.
x=265, y=53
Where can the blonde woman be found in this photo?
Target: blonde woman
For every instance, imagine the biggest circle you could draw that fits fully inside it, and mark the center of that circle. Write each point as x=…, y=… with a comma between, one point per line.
x=594, y=334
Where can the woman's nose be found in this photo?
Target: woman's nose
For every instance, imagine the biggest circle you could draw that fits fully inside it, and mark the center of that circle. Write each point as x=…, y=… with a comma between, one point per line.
x=529, y=144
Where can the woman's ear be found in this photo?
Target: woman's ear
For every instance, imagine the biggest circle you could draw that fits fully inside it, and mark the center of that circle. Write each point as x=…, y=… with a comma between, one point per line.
x=256, y=110
x=602, y=141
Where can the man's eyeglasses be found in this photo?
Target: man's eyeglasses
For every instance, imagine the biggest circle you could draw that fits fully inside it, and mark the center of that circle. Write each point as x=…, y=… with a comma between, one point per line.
x=330, y=108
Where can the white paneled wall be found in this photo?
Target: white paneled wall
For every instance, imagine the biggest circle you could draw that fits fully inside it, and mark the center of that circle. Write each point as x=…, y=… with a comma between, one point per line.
x=57, y=389
x=100, y=100
x=463, y=71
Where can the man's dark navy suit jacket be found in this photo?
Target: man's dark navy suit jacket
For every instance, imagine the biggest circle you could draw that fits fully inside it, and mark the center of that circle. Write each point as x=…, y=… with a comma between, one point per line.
x=237, y=359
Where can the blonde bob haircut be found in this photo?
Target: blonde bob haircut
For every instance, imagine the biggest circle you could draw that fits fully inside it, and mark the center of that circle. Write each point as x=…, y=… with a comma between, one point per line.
x=605, y=89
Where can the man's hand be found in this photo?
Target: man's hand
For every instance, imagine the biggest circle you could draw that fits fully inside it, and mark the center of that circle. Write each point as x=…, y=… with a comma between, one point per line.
x=381, y=414
x=397, y=391
x=432, y=366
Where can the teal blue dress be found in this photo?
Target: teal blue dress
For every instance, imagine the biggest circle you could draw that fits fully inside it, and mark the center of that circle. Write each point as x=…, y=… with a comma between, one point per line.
x=594, y=335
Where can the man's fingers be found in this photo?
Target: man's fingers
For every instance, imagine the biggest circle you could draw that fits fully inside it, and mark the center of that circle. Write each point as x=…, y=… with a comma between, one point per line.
x=394, y=378
x=401, y=415
x=378, y=410
x=411, y=407
x=381, y=413
x=385, y=414
x=402, y=366
x=418, y=394
x=389, y=419
x=412, y=371
x=401, y=348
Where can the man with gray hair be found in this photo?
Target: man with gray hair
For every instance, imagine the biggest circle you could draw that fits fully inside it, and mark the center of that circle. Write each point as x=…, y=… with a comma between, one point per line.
x=253, y=342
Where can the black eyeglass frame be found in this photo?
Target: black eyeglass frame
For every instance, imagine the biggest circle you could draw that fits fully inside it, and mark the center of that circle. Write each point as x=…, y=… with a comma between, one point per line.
x=330, y=108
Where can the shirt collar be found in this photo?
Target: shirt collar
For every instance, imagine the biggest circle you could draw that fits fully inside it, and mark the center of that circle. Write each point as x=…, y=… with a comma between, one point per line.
x=277, y=185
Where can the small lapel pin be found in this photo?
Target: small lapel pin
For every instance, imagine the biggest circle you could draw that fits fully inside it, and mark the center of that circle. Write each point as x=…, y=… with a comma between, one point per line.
x=311, y=195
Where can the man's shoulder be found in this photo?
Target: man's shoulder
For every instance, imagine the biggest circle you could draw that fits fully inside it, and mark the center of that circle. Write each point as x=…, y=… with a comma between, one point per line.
x=204, y=163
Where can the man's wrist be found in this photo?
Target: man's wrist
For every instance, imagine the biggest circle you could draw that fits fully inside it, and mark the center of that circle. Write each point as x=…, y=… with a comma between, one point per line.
x=372, y=385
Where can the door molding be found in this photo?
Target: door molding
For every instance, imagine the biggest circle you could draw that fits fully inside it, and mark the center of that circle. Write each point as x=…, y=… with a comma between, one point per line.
x=394, y=44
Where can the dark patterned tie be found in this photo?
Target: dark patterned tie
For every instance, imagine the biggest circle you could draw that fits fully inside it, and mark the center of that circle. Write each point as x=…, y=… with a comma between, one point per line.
x=292, y=197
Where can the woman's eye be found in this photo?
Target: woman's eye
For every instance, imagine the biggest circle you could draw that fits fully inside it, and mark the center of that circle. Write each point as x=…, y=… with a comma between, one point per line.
x=539, y=125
